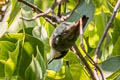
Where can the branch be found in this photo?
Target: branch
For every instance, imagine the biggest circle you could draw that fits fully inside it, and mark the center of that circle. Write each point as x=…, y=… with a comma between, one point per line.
x=96, y=67
x=105, y=33
x=34, y=7
x=48, y=18
x=59, y=10
x=50, y=10
x=106, y=30
x=63, y=18
x=37, y=16
x=87, y=66
x=81, y=26
x=42, y=13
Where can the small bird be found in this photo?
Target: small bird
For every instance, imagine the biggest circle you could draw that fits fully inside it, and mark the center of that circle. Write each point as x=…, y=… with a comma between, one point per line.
x=63, y=38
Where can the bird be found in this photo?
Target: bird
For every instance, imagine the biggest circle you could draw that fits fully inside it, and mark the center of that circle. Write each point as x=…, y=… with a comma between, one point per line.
x=63, y=38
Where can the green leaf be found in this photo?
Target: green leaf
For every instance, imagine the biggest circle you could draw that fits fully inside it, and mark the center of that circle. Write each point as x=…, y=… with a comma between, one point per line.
x=55, y=65
x=11, y=63
x=28, y=30
x=35, y=42
x=14, y=11
x=92, y=35
x=5, y=48
x=53, y=75
x=3, y=28
x=17, y=24
x=28, y=50
x=76, y=69
x=118, y=78
x=68, y=75
x=96, y=32
x=12, y=37
x=41, y=33
x=49, y=28
x=71, y=57
x=116, y=48
x=29, y=14
x=70, y=5
x=42, y=62
x=34, y=71
x=37, y=68
x=109, y=6
x=2, y=74
x=114, y=75
x=39, y=3
x=93, y=40
x=78, y=72
x=100, y=22
x=110, y=65
x=25, y=60
x=113, y=2
x=116, y=29
x=98, y=3
x=90, y=29
x=27, y=7
x=86, y=8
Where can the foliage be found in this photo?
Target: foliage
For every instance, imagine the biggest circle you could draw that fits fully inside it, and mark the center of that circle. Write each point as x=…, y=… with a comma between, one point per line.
x=24, y=45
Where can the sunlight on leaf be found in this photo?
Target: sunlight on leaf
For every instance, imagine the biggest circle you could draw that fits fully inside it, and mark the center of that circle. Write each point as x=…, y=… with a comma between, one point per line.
x=53, y=75
x=14, y=11
x=10, y=65
x=93, y=40
x=17, y=24
x=3, y=28
x=114, y=75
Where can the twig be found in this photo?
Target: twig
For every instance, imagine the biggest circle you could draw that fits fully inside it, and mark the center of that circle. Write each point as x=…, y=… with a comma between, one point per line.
x=84, y=62
x=59, y=10
x=56, y=3
x=48, y=18
x=63, y=18
x=81, y=26
x=57, y=17
x=37, y=16
x=43, y=13
x=34, y=7
x=82, y=44
x=94, y=64
x=106, y=30
x=59, y=7
x=105, y=33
